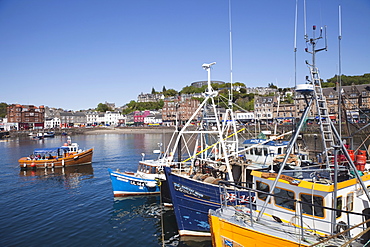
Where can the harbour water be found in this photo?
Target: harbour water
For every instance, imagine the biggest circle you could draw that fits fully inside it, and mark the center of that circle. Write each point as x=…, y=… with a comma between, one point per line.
x=75, y=206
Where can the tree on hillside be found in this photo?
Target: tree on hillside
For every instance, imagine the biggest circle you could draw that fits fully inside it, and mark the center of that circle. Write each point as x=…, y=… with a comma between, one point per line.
x=347, y=80
x=3, y=107
x=141, y=106
x=103, y=108
x=170, y=92
x=271, y=85
x=164, y=89
x=153, y=90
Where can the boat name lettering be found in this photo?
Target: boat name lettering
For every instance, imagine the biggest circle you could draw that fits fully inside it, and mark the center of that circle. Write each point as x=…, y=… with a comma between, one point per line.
x=242, y=198
x=187, y=190
x=137, y=183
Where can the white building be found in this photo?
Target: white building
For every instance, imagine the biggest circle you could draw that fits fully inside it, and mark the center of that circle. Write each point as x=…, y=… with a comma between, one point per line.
x=51, y=123
x=153, y=119
x=244, y=116
x=112, y=118
x=92, y=117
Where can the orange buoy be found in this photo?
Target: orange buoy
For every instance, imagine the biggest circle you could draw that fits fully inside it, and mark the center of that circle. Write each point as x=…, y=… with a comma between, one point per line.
x=351, y=154
x=360, y=160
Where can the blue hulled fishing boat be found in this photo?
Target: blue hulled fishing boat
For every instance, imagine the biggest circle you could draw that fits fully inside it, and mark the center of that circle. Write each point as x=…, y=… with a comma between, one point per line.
x=211, y=151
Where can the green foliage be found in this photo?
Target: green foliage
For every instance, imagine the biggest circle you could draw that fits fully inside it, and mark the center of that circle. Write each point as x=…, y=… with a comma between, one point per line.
x=348, y=80
x=170, y=92
x=103, y=108
x=288, y=99
x=3, y=107
x=191, y=89
x=153, y=91
x=271, y=85
x=141, y=106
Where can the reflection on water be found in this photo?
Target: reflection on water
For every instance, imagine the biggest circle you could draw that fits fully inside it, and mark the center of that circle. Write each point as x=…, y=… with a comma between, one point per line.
x=75, y=206
x=70, y=177
x=144, y=211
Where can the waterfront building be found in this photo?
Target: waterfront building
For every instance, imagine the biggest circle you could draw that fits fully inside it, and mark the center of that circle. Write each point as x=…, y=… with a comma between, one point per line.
x=153, y=119
x=178, y=108
x=92, y=118
x=112, y=118
x=139, y=117
x=52, y=123
x=264, y=108
x=25, y=117
x=355, y=102
x=72, y=119
x=244, y=117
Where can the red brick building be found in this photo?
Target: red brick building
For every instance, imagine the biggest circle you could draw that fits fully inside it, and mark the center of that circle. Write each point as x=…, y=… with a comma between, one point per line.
x=178, y=106
x=26, y=116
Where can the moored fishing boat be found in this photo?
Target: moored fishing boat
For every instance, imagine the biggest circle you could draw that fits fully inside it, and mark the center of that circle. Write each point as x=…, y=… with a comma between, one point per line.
x=311, y=204
x=296, y=215
x=145, y=181
x=69, y=154
x=149, y=179
x=211, y=150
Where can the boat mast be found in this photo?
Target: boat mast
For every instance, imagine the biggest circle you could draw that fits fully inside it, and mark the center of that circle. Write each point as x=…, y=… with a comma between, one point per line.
x=339, y=74
x=212, y=93
x=229, y=114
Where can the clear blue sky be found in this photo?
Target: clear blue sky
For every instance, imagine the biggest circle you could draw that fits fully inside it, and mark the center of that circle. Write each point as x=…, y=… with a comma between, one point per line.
x=75, y=54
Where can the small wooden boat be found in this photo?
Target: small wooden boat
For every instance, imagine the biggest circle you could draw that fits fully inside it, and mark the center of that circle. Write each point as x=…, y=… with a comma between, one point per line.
x=67, y=155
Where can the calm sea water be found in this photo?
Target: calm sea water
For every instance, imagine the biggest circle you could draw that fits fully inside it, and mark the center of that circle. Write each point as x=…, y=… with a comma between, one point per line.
x=75, y=206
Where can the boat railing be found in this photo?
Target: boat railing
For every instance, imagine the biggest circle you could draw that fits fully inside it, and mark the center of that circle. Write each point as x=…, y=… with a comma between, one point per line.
x=180, y=167
x=245, y=211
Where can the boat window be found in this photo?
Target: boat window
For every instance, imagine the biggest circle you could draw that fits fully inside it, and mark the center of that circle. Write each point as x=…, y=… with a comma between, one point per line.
x=284, y=198
x=339, y=206
x=262, y=187
x=152, y=170
x=316, y=209
x=349, y=206
x=258, y=151
x=280, y=151
x=265, y=152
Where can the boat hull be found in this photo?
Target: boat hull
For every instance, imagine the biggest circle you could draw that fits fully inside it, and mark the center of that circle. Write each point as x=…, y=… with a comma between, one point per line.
x=82, y=158
x=126, y=184
x=192, y=199
x=225, y=233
